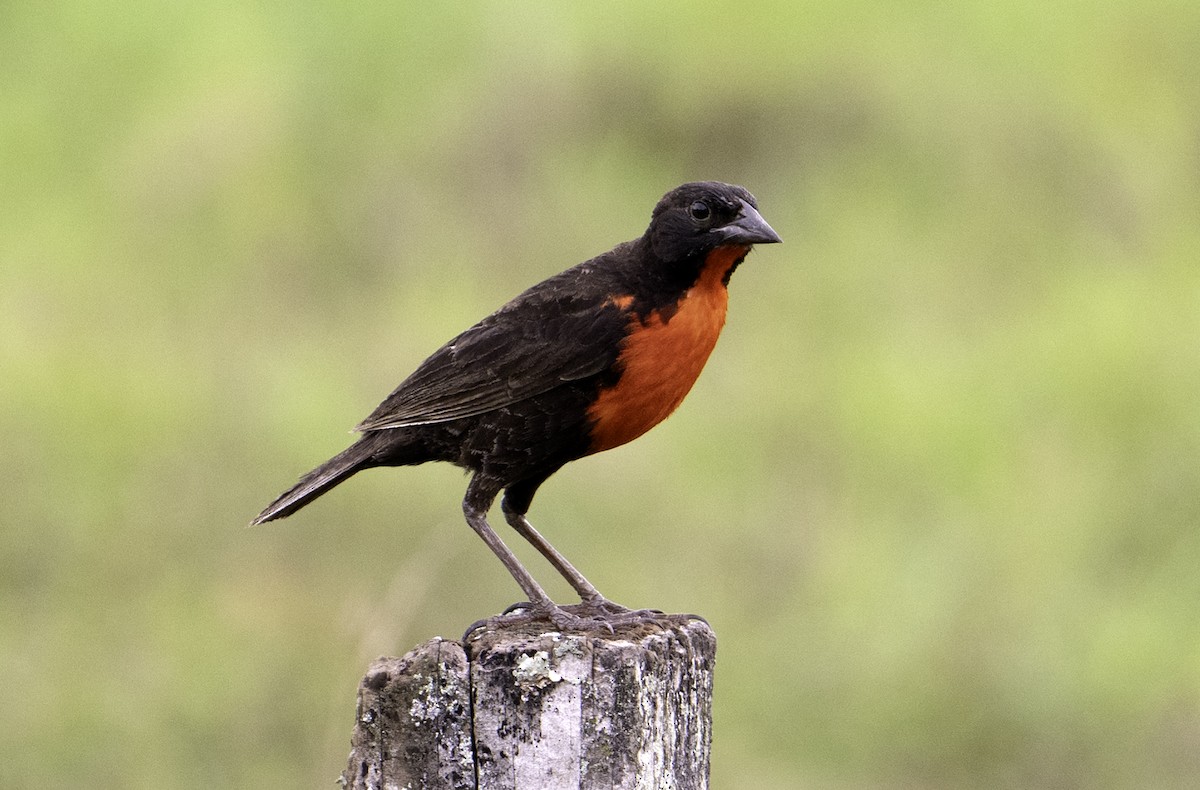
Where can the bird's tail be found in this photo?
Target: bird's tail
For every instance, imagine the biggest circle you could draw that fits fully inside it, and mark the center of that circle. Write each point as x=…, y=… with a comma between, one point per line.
x=356, y=457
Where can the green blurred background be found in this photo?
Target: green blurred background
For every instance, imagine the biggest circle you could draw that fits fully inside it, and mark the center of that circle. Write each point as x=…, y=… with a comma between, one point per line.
x=937, y=490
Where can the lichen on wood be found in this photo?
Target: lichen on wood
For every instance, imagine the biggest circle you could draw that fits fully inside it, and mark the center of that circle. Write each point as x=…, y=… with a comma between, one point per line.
x=535, y=709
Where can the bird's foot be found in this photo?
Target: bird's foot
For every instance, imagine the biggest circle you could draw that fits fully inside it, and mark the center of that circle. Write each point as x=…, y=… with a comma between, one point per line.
x=598, y=606
x=603, y=610
x=594, y=614
x=516, y=614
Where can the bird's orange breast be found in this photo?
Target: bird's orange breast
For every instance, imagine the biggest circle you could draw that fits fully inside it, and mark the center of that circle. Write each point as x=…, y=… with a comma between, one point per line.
x=662, y=357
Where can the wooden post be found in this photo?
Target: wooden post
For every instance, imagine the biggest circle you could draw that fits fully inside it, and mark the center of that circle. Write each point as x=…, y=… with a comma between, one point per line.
x=520, y=708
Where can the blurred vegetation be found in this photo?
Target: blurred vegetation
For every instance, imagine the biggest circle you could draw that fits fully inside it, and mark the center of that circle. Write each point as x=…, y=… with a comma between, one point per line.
x=937, y=491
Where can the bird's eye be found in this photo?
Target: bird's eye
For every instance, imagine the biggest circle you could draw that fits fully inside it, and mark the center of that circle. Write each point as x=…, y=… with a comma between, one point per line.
x=699, y=211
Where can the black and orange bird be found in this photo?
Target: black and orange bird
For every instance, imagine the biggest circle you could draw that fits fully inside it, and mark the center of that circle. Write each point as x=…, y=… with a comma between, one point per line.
x=582, y=362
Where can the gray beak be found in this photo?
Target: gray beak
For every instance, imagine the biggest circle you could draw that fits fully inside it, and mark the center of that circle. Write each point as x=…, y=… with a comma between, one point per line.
x=748, y=228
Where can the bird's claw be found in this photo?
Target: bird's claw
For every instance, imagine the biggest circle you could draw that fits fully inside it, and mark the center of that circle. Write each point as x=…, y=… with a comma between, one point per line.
x=598, y=614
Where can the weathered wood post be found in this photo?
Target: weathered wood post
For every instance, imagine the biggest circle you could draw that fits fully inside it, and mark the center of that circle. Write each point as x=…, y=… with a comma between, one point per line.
x=523, y=708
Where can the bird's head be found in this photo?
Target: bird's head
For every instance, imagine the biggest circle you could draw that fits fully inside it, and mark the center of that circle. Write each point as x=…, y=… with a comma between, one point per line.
x=696, y=218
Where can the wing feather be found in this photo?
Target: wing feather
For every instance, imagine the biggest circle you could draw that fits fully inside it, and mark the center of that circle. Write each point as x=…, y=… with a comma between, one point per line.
x=555, y=332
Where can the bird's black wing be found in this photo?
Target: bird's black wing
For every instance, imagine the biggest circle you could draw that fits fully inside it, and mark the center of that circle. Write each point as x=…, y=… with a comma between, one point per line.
x=564, y=329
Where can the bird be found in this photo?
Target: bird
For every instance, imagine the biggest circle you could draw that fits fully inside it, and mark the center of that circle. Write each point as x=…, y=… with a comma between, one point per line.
x=585, y=361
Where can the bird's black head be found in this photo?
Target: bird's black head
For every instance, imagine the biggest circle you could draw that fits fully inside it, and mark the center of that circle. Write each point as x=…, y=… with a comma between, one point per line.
x=695, y=218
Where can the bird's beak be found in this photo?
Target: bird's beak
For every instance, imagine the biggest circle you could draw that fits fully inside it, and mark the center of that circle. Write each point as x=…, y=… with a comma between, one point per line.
x=748, y=228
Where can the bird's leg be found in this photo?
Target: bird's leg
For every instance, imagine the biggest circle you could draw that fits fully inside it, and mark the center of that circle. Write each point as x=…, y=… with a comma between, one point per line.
x=540, y=605
x=586, y=590
x=477, y=519
x=593, y=613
